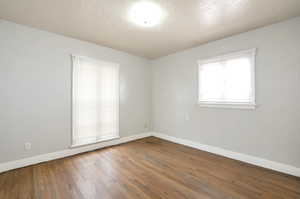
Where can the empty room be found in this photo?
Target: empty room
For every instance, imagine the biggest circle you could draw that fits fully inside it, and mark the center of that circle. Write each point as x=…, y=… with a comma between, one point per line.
x=149, y=99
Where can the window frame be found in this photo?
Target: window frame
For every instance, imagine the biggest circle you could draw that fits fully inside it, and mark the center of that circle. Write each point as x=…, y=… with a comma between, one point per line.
x=235, y=105
x=108, y=138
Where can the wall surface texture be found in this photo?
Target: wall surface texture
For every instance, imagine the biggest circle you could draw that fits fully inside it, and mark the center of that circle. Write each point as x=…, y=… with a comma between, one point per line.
x=35, y=90
x=272, y=131
x=35, y=93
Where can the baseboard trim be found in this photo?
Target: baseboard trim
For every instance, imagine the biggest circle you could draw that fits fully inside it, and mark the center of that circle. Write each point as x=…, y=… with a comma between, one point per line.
x=276, y=166
x=68, y=152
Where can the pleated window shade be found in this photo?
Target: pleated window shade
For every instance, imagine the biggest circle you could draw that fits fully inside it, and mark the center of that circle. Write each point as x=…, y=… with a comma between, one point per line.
x=228, y=80
x=95, y=101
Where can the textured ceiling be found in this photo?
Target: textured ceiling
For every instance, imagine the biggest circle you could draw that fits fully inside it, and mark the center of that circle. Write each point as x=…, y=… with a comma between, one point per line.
x=188, y=23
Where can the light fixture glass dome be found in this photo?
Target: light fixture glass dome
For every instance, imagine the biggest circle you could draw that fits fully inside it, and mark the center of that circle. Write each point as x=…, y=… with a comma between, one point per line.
x=146, y=13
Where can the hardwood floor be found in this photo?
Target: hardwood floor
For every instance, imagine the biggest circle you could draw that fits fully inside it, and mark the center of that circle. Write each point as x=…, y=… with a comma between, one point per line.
x=147, y=168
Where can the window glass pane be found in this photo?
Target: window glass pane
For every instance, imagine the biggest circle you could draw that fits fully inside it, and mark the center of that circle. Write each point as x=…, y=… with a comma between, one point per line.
x=211, y=81
x=237, y=73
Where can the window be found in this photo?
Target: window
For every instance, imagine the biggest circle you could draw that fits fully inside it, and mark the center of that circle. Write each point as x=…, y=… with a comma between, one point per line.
x=228, y=81
x=95, y=101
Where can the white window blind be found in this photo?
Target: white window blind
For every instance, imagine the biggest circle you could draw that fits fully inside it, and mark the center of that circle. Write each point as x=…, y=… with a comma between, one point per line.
x=95, y=100
x=228, y=80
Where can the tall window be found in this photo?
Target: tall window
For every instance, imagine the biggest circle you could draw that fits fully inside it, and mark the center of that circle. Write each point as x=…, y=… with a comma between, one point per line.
x=95, y=100
x=228, y=80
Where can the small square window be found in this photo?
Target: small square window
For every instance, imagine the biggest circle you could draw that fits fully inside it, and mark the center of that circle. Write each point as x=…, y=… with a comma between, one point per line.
x=228, y=81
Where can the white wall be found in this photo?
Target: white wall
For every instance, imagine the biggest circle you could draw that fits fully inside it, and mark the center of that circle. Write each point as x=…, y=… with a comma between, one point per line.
x=272, y=131
x=35, y=86
x=35, y=98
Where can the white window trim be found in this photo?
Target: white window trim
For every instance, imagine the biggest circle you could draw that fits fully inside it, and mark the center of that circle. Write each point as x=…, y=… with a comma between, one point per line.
x=232, y=105
x=227, y=105
x=108, y=138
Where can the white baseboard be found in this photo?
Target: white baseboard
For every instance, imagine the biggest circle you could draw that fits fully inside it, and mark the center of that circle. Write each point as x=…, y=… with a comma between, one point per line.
x=284, y=168
x=65, y=153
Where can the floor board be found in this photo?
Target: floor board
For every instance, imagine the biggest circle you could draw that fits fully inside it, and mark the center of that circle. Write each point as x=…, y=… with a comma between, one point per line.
x=149, y=168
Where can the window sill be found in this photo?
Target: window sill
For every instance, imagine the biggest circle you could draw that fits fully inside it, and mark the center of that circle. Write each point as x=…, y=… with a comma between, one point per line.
x=94, y=142
x=227, y=105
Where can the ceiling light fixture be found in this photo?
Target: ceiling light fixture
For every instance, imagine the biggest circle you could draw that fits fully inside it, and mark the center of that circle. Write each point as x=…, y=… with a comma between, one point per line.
x=145, y=13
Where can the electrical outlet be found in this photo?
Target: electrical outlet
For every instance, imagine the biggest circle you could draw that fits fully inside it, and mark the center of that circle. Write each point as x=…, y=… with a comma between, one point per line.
x=27, y=146
x=187, y=117
x=146, y=126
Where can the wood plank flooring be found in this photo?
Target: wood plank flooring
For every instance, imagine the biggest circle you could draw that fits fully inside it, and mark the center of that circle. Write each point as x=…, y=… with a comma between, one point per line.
x=149, y=168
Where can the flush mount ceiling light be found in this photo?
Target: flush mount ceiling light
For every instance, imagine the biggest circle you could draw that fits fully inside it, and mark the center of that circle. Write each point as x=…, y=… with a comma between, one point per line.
x=145, y=13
